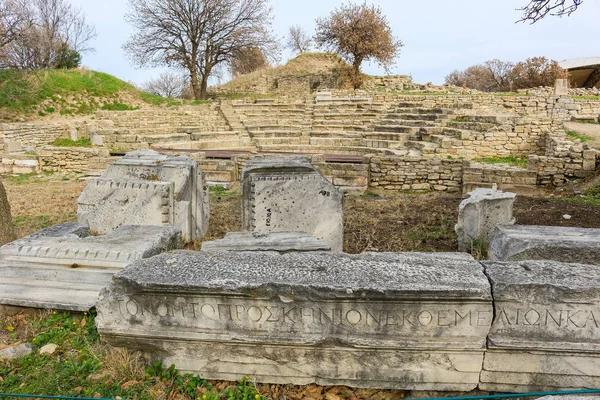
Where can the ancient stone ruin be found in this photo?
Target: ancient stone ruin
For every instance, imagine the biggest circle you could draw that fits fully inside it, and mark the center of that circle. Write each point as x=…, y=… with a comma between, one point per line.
x=479, y=215
x=147, y=188
x=144, y=204
x=6, y=227
x=289, y=194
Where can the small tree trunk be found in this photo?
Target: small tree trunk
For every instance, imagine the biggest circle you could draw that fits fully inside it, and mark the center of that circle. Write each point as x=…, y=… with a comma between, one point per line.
x=203, y=86
x=195, y=84
x=356, y=80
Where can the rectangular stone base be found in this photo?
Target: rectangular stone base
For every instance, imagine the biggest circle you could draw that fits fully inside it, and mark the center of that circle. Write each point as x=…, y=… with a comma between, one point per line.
x=323, y=365
x=519, y=371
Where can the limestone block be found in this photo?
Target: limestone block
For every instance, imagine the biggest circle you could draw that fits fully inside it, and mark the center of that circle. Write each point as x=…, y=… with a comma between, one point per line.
x=18, y=351
x=148, y=188
x=546, y=330
x=388, y=320
x=14, y=146
x=558, y=243
x=107, y=204
x=480, y=214
x=289, y=194
x=63, y=267
x=266, y=241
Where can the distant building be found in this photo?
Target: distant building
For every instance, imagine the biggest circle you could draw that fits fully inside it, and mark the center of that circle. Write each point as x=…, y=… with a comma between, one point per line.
x=583, y=72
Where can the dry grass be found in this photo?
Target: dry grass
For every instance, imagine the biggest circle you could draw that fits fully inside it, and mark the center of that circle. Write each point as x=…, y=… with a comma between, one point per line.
x=39, y=201
x=123, y=365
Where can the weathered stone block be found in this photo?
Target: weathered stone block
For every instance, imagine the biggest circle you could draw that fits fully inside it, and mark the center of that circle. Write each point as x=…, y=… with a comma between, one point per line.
x=558, y=243
x=546, y=331
x=267, y=241
x=480, y=214
x=64, y=267
x=289, y=194
x=385, y=320
x=147, y=188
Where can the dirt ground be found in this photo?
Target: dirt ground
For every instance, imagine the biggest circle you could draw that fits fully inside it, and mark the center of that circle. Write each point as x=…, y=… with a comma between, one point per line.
x=590, y=130
x=383, y=221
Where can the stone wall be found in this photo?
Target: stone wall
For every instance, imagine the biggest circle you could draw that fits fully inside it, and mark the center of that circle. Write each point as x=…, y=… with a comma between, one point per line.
x=43, y=132
x=416, y=173
x=74, y=159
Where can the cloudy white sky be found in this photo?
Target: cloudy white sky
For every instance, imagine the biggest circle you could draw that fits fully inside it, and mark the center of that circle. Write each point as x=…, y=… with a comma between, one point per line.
x=439, y=35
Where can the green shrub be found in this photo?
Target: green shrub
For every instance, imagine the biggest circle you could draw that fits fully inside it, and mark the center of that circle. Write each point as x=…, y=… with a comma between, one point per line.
x=66, y=142
x=118, y=107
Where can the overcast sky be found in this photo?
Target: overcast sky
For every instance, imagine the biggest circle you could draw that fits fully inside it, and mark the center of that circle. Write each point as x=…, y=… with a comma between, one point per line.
x=439, y=35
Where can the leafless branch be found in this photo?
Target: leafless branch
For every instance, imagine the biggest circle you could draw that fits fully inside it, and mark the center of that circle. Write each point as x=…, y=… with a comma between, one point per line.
x=538, y=9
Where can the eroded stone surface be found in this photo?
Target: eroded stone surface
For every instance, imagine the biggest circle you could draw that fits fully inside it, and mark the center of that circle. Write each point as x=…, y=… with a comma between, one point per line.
x=63, y=267
x=21, y=350
x=480, y=214
x=558, y=243
x=398, y=320
x=546, y=331
x=289, y=194
x=147, y=188
x=267, y=241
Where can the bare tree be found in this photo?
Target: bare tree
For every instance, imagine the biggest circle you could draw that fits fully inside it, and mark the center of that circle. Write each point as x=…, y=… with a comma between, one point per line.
x=197, y=35
x=536, y=71
x=538, y=9
x=298, y=39
x=247, y=60
x=57, y=30
x=475, y=77
x=15, y=19
x=359, y=32
x=500, y=71
x=167, y=84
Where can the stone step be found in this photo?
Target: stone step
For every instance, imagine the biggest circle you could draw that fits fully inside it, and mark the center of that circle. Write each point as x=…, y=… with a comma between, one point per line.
x=348, y=150
x=274, y=127
x=405, y=122
x=217, y=144
x=341, y=127
x=337, y=134
x=416, y=117
x=397, y=129
x=213, y=135
x=275, y=133
x=473, y=126
x=177, y=137
x=260, y=142
x=422, y=110
x=393, y=136
x=423, y=147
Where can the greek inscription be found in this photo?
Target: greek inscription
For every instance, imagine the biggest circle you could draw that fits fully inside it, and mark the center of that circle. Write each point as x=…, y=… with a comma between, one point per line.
x=268, y=220
x=538, y=317
x=325, y=193
x=371, y=317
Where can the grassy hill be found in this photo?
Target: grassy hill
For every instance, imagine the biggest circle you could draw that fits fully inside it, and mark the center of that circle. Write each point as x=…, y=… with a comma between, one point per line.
x=306, y=63
x=29, y=95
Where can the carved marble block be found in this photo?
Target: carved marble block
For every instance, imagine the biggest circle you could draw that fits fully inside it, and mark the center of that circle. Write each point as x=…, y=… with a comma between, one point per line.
x=147, y=188
x=546, y=331
x=289, y=194
x=410, y=321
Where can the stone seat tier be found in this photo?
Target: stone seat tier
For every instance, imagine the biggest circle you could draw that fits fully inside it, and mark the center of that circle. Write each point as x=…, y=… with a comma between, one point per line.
x=233, y=143
x=405, y=122
x=419, y=117
x=423, y=110
x=348, y=150
x=473, y=126
x=340, y=127
x=276, y=133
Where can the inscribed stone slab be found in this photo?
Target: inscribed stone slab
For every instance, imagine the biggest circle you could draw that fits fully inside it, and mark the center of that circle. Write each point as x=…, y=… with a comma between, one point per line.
x=411, y=321
x=558, y=243
x=289, y=194
x=546, y=331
